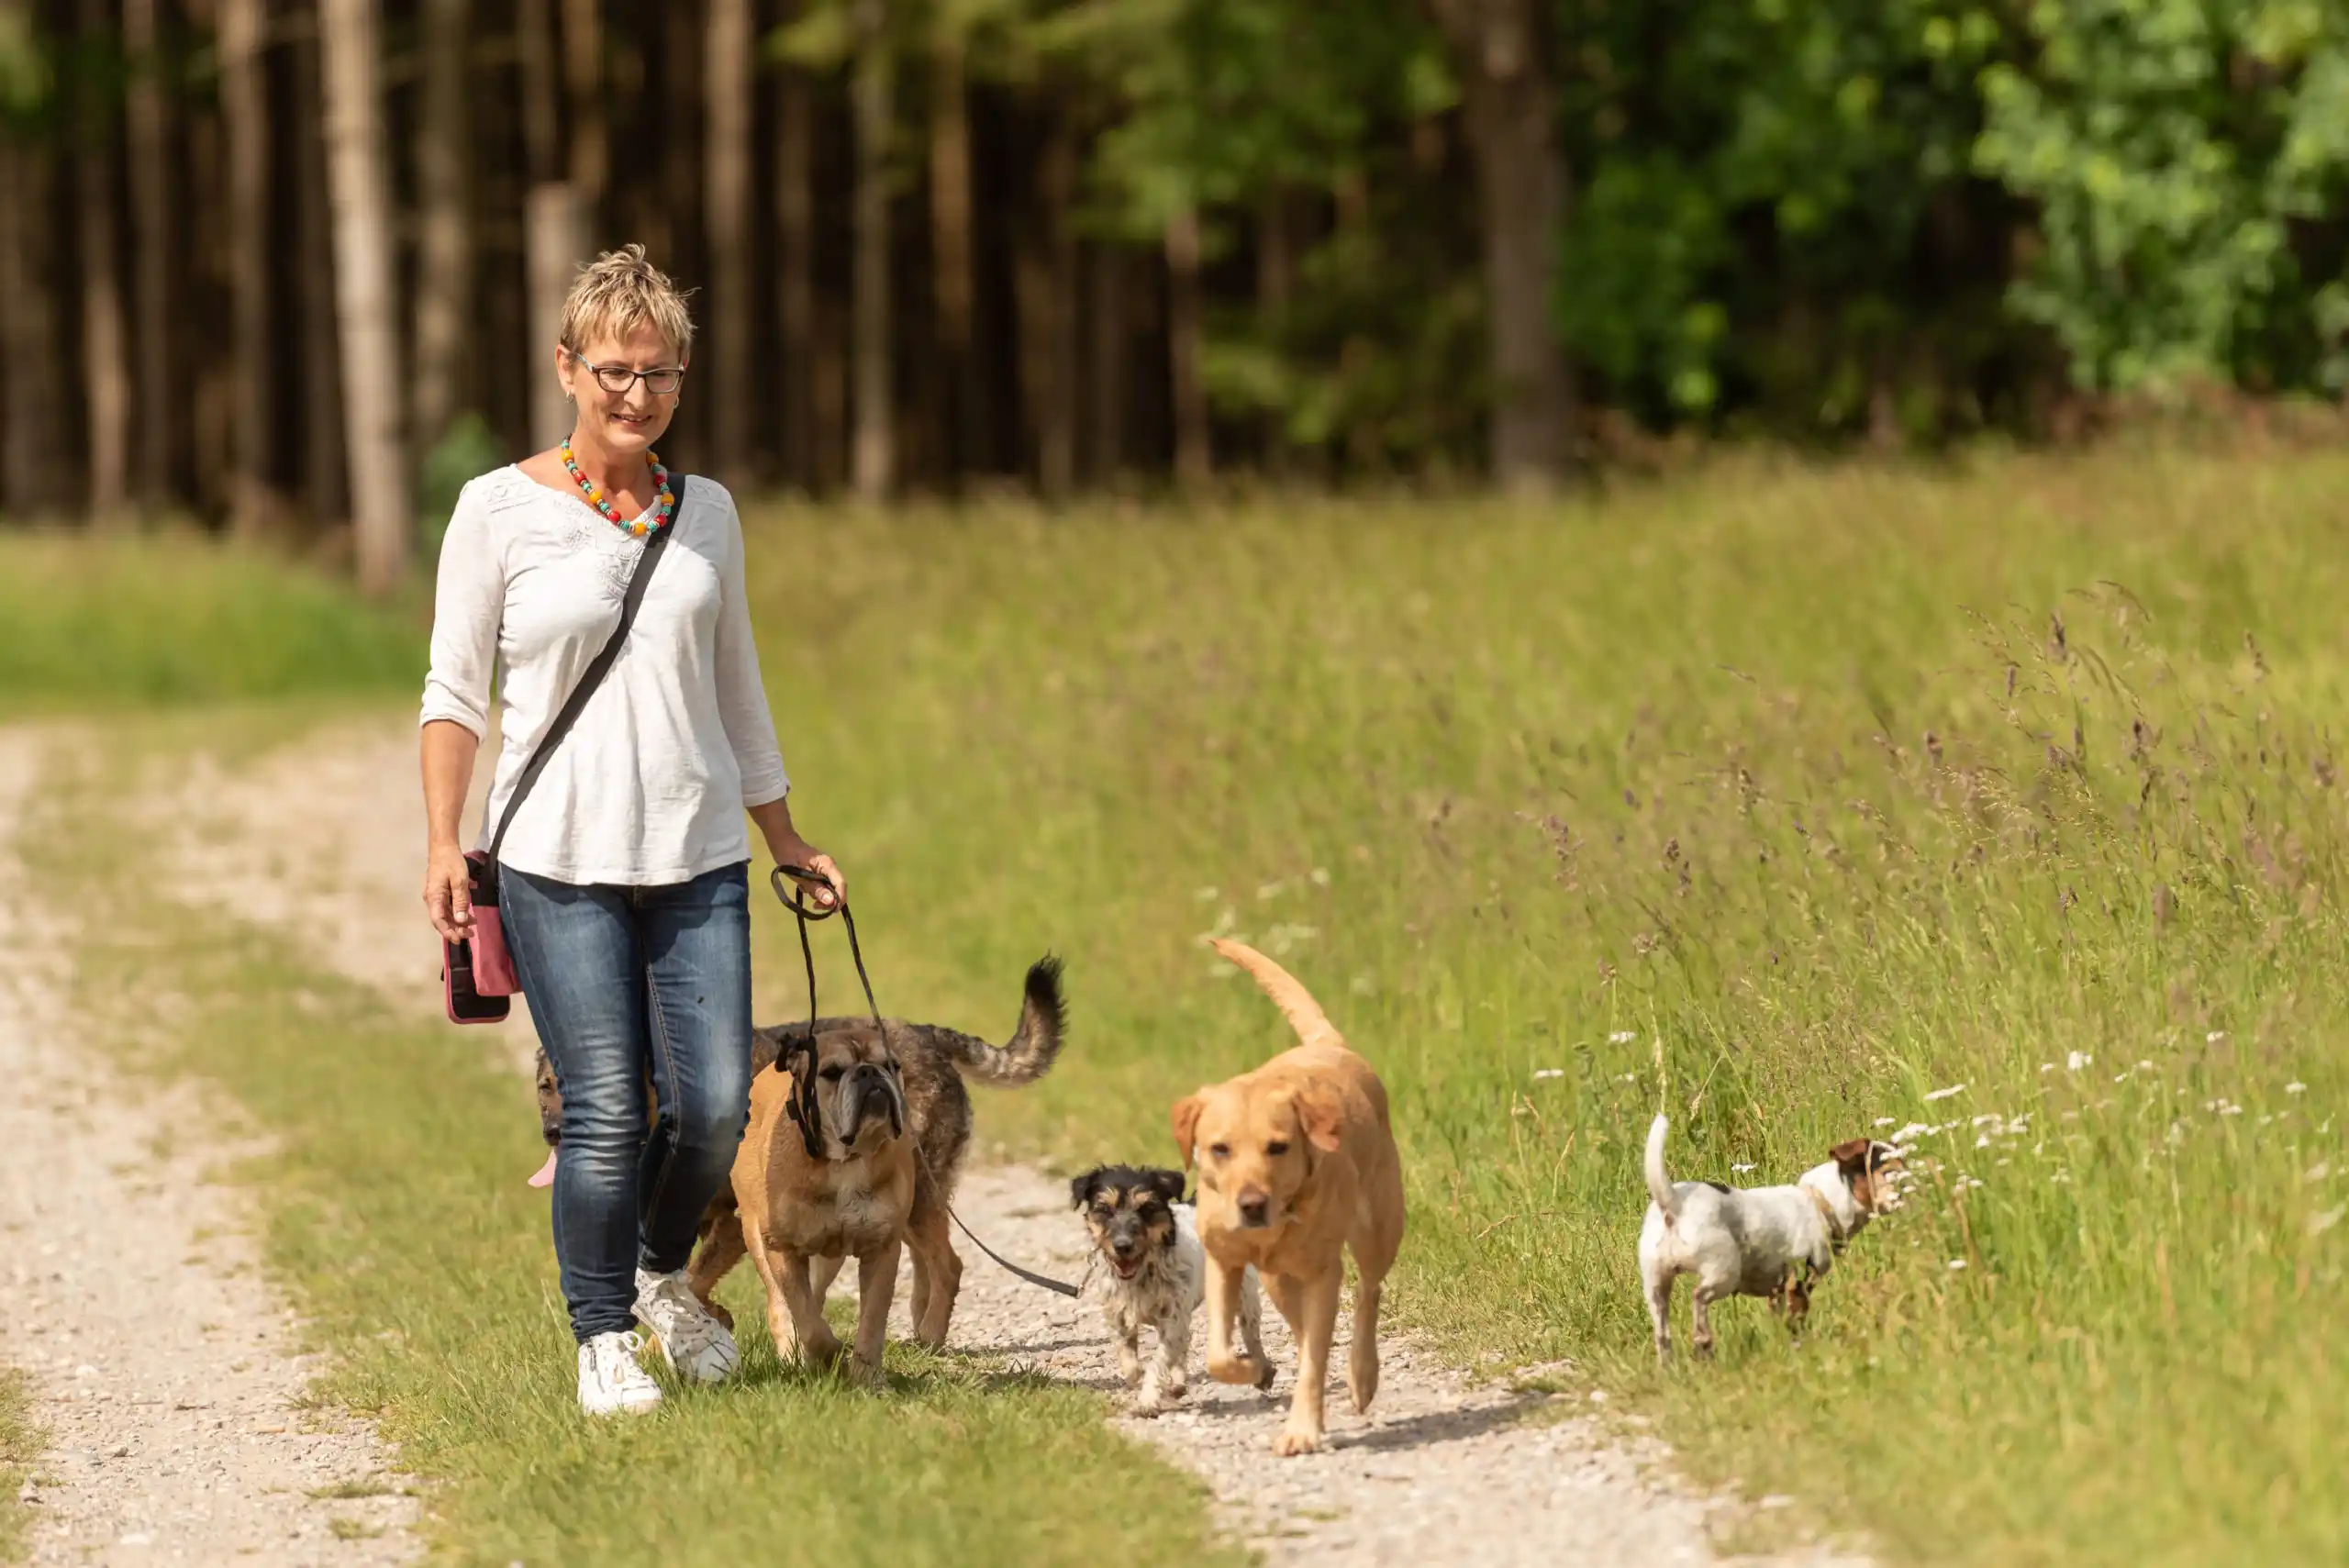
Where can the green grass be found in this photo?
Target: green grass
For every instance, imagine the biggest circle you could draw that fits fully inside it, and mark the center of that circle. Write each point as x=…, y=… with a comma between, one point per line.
x=105, y=623
x=396, y=1213
x=20, y=1445
x=1772, y=796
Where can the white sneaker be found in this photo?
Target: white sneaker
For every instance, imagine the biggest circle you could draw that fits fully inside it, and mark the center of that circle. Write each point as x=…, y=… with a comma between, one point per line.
x=611, y=1382
x=694, y=1345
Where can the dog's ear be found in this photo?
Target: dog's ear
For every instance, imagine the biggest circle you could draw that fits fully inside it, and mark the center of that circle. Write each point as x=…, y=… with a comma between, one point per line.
x=1167, y=1184
x=1881, y=1154
x=1851, y=1158
x=1185, y=1117
x=1080, y=1190
x=1321, y=1114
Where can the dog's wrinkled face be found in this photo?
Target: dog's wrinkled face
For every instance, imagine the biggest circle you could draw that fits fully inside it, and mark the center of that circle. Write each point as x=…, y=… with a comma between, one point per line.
x=861, y=1094
x=1128, y=1212
x=1256, y=1147
x=1871, y=1169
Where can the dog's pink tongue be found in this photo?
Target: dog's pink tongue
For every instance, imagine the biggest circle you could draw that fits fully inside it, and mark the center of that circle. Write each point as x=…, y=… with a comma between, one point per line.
x=545, y=1177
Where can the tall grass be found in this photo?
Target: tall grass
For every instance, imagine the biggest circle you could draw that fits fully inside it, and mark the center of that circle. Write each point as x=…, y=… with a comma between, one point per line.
x=169, y=619
x=1997, y=811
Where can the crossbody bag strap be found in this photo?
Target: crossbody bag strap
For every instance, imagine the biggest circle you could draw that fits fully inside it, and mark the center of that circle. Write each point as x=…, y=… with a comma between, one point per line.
x=589, y=679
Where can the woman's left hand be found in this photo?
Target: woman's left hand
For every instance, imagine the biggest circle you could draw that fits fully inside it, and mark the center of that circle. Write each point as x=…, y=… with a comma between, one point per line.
x=797, y=852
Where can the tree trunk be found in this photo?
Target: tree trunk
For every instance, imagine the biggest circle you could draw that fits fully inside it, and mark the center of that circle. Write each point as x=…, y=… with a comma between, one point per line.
x=445, y=261
x=1044, y=289
x=1185, y=333
x=106, y=349
x=551, y=226
x=154, y=247
x=325, y=469
x=951, y=251
x=730, y=320
x=874, y=461
x=366, y=305
x=255, y=505
x=1105, y=400
x=1275, y=287
x=30, y=432
x=794, y=214
x=1508, y=99
x=591, y=157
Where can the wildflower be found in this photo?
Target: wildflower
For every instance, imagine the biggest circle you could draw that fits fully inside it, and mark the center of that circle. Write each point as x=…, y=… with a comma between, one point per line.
x=2176, y=1134
x=1955, y=1264
x=1988, y=1119
x=2318, y=1172
x=2144, y=1067
x=1622, y=1037
x=1983, y=1141
x=1739, y=1169
x=1884, y=1121
x=2214, y=1037
x=2121, y=1077
x=2046, y=1067
x=1543, y=1074
x=2077, y=1060
x=1913, y=1130
x=2231, y=1109
x=1320, y=876
x=2320, y=1223
x=1945, y=1093
x=2296, y=1087
x=1283, y=939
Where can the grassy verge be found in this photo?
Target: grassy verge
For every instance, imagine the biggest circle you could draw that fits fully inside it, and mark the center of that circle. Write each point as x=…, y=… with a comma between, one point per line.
x=395, y=1214
x=1996, y=809
x=102, y=623
x=20, y=1445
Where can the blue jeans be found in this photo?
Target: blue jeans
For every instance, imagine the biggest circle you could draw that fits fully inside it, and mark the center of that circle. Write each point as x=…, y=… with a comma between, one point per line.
x=625, y=984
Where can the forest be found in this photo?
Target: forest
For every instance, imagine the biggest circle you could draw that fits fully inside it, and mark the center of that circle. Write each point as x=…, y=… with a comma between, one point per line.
x=286, y=265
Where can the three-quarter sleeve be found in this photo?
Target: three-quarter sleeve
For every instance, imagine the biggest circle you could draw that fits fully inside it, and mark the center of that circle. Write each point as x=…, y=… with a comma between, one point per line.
x=741, y=693
x=468, y=604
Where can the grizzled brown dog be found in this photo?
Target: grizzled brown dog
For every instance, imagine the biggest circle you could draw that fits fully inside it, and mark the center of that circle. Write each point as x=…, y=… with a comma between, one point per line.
x=932, y=1061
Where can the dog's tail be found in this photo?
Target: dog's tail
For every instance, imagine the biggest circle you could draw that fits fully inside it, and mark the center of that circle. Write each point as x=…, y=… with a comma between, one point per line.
x=1659, y=1184
x=1296, y=1004
x=1034, y=1046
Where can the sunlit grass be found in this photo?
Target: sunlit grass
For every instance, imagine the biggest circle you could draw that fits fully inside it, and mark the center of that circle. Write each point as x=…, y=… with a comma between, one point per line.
x=1775, y=796
x=20, y=1445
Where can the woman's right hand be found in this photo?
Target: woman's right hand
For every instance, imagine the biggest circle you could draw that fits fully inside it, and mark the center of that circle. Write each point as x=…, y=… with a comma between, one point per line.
x=449, y=892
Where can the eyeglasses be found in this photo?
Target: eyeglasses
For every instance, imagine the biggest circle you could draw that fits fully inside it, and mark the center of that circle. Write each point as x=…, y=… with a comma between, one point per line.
x=619, y=379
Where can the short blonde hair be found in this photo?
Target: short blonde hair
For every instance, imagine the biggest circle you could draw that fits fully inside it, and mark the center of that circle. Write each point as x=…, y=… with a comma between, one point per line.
x=619, y=291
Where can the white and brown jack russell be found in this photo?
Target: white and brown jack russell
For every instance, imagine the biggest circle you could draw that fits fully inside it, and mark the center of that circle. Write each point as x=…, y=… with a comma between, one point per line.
x=1773, y=1242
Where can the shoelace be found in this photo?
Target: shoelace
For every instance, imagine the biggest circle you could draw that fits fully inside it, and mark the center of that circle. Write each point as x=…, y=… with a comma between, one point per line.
x=683, y=1323
x=615, y=1356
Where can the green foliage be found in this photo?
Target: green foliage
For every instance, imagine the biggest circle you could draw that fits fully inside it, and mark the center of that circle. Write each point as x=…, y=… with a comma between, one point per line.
x=2173, y=147
x=469, y=446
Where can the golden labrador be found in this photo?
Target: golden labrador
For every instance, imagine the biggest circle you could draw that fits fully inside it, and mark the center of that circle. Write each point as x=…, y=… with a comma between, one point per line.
x=1297, y=1167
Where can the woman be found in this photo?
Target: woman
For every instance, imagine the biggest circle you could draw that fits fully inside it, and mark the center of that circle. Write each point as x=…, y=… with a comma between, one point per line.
x=623, y=882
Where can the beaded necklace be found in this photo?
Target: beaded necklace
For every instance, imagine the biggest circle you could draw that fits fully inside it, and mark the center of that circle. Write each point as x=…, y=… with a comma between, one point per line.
x=664, y=509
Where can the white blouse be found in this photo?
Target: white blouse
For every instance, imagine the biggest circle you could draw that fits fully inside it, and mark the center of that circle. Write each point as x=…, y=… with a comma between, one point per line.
x=650, y=785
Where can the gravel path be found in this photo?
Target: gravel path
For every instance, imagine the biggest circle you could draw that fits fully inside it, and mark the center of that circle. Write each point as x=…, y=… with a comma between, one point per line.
x=1442, y=1473
x=165, y=1370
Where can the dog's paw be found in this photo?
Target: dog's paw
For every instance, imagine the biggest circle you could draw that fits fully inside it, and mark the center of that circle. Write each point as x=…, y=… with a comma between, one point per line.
x=1293, y=1442
x=1265, y=1379
x=1147, y=1405
x=1241, y=1369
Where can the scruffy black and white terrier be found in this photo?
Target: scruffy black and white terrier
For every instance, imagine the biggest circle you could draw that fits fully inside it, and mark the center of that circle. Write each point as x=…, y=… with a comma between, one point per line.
x=1774, y=1242
x=1149, y=1269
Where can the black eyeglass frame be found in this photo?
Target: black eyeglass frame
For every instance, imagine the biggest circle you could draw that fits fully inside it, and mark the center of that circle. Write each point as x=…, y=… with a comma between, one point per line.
x=625, y=387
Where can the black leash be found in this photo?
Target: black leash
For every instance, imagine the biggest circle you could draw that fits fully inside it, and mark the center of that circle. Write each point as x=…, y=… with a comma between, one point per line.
x=804, y=1108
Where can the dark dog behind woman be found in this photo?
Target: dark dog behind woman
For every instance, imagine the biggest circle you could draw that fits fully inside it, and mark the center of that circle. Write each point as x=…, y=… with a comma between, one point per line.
x=623, y=881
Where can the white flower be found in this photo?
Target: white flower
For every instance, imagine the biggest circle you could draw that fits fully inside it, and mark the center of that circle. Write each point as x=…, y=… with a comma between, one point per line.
x=1884, y=1121
x=1622, y=1037
x=1320, y=876
x=2144, y=1067
x=2296, y=1087
x=2046, y=1067
x=1955, y=1264
x=2077, y=1060
x=2230, y=1110
x=1739, y=1169
x=1983, y=1141
x=2214, y=1037
x=1915, y=1130
x=1628, y=1078
x=1988, y=1119
x=1945, y=1093
x=2122, y=1077
x=1541, y=1074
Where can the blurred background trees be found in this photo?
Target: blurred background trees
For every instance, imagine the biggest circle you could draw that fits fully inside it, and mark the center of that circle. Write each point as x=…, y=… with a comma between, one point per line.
x=288, y=264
